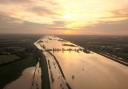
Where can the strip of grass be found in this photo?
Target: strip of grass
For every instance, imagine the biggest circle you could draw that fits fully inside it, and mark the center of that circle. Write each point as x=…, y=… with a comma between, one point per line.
x=44, y=69
x=13, y=71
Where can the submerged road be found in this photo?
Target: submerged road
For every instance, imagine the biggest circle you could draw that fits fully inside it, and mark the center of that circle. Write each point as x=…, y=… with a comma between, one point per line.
x=72, y=67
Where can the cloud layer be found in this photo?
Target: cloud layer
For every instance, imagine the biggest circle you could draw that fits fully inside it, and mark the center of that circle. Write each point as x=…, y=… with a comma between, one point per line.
x=53, y=16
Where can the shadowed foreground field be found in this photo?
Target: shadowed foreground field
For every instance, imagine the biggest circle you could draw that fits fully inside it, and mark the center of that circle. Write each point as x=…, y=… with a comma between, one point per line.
x=17, y=53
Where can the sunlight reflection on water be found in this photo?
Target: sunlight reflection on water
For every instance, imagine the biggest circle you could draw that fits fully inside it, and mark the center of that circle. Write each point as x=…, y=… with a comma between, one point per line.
x=85, y=69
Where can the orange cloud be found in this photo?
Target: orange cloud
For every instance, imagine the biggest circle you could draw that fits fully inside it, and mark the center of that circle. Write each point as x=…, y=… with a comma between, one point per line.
x=66, y=14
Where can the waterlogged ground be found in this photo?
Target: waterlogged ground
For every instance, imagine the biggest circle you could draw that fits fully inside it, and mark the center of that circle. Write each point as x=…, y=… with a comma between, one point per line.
x=30, y=79
x=73, y=67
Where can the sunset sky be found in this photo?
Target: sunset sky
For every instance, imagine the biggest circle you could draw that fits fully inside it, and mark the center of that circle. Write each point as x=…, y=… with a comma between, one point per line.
x=90, y=17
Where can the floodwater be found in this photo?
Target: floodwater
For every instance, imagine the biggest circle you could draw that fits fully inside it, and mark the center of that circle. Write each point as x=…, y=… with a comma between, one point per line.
x=70, y=67
x=30, y=79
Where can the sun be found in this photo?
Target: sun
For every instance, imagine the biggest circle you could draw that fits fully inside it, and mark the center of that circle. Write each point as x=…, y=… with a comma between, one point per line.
x=69, y=16
x=67, y=32
x=72, y=20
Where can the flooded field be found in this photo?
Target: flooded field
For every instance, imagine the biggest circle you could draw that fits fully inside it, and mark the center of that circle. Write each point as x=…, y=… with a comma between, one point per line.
x=73, y=67
x=30, y=79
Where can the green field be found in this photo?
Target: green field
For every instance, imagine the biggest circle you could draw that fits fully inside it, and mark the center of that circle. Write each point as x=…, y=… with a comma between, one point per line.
x=16, y=54
x=8, y=58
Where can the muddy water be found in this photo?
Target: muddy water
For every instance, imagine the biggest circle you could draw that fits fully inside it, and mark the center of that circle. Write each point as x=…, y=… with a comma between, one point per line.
x=30, y=79
x=92, y=71
x=84, y=70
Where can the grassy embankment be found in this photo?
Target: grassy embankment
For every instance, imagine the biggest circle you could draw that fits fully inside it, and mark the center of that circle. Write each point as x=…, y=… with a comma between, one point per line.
x=44, y=70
